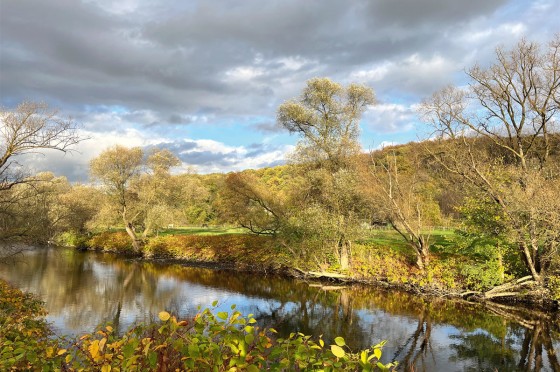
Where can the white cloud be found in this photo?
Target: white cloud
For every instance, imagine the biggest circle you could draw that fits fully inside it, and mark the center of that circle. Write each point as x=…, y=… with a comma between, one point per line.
x=390, y=117
x=384, y=144
x=243, y=73
x=373, y=74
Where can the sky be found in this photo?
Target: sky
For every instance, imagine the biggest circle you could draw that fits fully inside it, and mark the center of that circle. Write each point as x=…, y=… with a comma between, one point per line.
x=205, y=78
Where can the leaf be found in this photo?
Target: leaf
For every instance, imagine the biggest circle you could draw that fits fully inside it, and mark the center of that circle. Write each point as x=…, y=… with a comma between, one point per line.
x=321, y=342
x=377, y=353
x=337, y=351
x=94, y=348
x=61, y=351
x=164, y=316
x=215, y=303
x=106, y=368
x=249, y=339
x=340, y=341
x=222, y=315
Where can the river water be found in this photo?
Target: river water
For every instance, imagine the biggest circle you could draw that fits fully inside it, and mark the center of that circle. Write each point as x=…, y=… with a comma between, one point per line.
x=84, y=289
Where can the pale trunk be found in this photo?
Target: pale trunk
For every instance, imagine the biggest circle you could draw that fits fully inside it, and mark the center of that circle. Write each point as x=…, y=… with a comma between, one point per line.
x=529, y=261
x=136, y=243
x=344, y=253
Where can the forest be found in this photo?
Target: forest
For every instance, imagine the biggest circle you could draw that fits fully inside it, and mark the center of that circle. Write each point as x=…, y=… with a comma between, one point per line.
x=473, y=209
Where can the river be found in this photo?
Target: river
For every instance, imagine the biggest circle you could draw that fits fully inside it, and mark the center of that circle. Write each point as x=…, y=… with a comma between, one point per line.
x=84, y=289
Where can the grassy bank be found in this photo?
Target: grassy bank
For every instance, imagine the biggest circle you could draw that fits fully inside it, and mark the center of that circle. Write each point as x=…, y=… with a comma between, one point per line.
x=455, y=265
x=382, y=257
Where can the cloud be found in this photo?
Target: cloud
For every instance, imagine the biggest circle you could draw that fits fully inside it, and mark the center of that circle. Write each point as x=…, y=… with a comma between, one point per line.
x=158, y=70
x=390, y=118
x=268, y=127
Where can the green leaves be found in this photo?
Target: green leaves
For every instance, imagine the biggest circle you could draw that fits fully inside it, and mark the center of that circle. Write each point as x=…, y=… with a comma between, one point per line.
x=209, y=342
x=340, y=341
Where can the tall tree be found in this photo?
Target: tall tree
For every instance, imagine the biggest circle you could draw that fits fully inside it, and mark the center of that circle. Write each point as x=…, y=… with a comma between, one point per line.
x=117, y=168
x=140, y=187
x=496, y=138
x=403, y=194
x=326, y=117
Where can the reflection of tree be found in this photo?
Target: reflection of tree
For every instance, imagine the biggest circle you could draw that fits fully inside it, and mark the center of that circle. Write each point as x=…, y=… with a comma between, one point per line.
x=413, y=352
x=534, y=331
x=536, y=342
x=89, y=289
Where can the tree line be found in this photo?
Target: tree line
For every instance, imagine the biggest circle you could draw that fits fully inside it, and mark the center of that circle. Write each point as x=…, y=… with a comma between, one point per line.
x=490, y=168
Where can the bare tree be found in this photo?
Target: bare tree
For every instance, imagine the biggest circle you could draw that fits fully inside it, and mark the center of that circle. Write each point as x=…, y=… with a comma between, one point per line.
x=30, y=128
x=497, y=138
x=404, y=200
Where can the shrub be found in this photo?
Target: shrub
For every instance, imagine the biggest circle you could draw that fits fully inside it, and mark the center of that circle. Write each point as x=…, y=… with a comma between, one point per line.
x=72, y=239
x=208, y=342
x=118, y=242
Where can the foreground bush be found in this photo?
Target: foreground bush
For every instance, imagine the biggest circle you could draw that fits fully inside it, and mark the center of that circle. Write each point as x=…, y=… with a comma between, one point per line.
x=207, y=342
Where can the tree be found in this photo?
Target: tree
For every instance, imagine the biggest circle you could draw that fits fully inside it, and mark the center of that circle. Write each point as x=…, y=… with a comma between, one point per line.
x=117, y=168
x=496, y=137
x=252, y=204
x=326, y=117
x=140, y=188
x=403, y=194
x=158, y=192
x=30, y=128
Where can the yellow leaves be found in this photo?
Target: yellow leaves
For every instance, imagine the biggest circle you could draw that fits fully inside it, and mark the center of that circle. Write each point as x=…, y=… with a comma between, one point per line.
x=164, y=316
x=106, y=368
x=61, y=351
x=102, y=343
x=337, y=351
x=94, y=348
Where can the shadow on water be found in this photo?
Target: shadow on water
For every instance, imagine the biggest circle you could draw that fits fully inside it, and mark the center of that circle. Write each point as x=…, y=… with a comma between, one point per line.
x=84, y=289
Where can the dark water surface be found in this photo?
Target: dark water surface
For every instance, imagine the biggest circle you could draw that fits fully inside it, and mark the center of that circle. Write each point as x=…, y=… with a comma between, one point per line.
x=84, y=289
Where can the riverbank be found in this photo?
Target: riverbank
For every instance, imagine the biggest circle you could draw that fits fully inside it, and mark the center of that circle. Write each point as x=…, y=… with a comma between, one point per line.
x=372, y=264
x=85, y=289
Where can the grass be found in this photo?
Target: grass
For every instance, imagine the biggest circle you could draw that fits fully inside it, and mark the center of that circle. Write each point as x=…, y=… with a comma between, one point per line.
x=391, y=239
x=194, y=230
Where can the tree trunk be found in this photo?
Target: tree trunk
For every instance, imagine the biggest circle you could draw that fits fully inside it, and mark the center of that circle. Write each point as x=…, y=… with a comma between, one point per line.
x=136, y=243
x=530, y=263
x=422, y=253
x=344, y=247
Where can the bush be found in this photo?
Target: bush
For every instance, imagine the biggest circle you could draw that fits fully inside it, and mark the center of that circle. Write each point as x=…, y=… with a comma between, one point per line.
x=207, y=342
x=553, y=285
x=118, y=242
x=72, y=239
x=24, y=334
x=481, y=276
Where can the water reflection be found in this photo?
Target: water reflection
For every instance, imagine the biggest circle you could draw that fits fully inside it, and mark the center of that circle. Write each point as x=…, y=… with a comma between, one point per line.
x=82, y=290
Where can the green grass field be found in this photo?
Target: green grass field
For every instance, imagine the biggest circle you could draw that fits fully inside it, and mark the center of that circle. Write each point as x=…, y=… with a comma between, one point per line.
x=392, y=239
x=195, y=230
